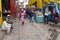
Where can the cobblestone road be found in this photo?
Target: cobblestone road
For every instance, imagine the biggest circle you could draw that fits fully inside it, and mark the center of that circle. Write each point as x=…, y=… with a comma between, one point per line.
x=28, y=31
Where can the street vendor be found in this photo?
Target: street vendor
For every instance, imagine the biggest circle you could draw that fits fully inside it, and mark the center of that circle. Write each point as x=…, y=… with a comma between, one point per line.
x=7, y=24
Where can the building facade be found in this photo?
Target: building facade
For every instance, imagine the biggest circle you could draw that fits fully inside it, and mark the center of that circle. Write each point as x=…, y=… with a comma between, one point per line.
x=23, y=3
x=41, y=3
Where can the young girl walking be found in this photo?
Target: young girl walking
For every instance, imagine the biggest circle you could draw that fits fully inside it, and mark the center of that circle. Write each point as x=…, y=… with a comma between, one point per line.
x=23, y=16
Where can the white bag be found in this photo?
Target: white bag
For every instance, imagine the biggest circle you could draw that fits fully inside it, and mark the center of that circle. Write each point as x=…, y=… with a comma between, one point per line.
x=46, y=14
x=5, y=24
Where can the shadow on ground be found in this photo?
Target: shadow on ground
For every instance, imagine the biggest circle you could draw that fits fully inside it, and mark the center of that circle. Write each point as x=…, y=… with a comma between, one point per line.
x=55, y=26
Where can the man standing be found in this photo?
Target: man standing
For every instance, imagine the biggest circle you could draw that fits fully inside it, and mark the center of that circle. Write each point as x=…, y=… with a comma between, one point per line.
x=46, y=15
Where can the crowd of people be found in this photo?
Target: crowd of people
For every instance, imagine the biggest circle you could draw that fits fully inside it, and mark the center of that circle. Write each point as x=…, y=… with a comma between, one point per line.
x=53, y=13
x=30, y=14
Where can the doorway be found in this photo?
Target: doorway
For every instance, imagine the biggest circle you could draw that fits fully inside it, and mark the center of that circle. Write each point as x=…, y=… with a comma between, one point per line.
x=5, y=8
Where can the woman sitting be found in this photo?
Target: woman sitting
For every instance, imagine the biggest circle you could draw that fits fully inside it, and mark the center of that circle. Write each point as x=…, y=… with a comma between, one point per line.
x=7, y=24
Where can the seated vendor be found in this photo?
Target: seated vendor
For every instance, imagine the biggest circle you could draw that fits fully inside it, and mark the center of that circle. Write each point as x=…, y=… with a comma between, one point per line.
x=7, y=24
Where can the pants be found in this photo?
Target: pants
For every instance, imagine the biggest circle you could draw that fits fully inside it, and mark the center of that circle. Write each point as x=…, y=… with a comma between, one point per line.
x=46, y=19
x=32, y=19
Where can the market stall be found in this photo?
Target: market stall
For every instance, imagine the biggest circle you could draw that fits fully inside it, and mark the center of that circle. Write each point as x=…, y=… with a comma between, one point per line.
x=39, y=17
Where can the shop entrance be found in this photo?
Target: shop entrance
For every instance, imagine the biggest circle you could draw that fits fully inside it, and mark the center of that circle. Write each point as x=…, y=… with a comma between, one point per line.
x=5, y=7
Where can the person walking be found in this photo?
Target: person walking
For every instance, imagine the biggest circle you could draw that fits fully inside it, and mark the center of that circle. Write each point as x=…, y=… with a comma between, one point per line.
x=32, y=16
x=23, y=16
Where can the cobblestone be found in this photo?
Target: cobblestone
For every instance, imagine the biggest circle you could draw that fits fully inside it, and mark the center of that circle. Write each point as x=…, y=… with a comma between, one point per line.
x=38, y=31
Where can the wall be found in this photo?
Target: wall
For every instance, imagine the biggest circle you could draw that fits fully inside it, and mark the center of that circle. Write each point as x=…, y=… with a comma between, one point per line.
x=0, y=12
x=39, y=4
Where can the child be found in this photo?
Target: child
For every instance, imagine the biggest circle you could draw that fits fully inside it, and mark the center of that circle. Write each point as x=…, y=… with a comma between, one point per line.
x=32, y=17
x=23, y=15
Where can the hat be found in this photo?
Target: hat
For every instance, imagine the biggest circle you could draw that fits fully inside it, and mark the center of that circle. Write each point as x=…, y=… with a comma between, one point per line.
x=8, y=15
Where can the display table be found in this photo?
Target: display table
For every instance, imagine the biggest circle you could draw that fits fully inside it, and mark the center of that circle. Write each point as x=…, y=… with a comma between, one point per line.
x=40, y=18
